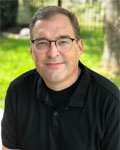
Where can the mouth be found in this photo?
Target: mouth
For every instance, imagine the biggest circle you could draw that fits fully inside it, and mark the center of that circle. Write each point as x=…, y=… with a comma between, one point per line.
x=54, y=65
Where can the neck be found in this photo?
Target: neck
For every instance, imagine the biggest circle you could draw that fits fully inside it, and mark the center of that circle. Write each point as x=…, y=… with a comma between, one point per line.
x=57, y=86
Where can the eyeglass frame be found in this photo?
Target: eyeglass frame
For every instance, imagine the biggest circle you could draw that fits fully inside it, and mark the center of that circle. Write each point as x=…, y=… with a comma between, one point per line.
x=72, y=39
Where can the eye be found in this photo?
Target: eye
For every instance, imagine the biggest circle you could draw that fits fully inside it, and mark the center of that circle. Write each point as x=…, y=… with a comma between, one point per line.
x=42, y=42
x=63, y=41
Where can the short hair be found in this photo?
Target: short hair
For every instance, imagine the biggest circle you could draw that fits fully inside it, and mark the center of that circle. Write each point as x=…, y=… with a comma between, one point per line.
x=49, y=11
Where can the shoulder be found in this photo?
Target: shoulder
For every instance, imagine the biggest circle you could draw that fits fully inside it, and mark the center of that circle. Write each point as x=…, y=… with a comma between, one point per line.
x=102, y=85
x=26, y=79
x=22, y=88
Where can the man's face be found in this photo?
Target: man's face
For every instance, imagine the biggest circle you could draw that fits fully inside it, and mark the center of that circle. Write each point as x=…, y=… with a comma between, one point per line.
x=58, y=69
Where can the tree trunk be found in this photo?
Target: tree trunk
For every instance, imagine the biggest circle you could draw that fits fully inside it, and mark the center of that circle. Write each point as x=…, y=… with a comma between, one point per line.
x=111, y=54
x=60, y=3
x=24, y=14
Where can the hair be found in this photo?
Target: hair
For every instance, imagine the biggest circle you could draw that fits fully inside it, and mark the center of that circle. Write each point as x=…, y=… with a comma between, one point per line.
x=49, y=11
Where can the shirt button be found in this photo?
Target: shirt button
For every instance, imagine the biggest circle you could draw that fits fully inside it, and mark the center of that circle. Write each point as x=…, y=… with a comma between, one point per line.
x=55, y=113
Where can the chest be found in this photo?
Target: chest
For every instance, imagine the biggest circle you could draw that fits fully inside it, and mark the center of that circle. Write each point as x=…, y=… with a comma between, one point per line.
x=46, y=128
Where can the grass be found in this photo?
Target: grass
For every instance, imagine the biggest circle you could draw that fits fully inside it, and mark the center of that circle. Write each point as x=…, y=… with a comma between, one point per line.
x=93, y=48
x=15, y=58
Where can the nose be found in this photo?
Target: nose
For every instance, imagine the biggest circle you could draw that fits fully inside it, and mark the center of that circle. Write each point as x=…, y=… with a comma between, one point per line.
x=53, y=52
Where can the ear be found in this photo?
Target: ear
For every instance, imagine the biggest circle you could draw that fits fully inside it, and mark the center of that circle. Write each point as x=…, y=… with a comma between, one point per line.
x=80, y=47
x=32, y=53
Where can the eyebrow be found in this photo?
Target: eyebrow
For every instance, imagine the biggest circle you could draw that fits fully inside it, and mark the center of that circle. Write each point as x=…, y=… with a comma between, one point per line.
x=59, y=37
x=64, y=36
x=41, y=38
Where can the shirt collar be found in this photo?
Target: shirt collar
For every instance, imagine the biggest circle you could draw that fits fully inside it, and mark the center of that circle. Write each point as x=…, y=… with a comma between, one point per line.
x=41, y=92
x=77, y=99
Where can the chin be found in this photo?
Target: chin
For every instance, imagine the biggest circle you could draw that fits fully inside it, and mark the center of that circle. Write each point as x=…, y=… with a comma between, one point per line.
x=54, y=78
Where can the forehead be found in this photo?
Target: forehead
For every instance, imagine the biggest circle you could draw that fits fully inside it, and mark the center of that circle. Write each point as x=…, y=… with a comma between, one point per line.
x=55, y=26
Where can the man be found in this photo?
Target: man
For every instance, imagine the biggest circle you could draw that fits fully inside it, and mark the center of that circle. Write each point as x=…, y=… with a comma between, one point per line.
x=60, y=105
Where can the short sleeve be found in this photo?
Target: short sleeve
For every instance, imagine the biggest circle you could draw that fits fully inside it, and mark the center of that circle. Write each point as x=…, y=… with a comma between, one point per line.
x=9, y=121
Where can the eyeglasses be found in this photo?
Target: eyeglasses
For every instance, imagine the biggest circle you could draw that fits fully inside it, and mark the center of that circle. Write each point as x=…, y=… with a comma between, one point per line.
x=43, y=45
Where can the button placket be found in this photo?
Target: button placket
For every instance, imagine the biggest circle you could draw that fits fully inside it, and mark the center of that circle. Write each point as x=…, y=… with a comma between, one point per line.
x=55, y=120
x=55, y=113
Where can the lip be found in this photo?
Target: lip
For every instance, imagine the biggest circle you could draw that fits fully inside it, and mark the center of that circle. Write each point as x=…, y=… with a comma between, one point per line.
x=54, y=65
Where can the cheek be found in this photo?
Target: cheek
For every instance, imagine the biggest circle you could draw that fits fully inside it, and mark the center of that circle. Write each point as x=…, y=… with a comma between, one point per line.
x=71, y=59
x=36, y=58
x=78, y=54
x=75, y=55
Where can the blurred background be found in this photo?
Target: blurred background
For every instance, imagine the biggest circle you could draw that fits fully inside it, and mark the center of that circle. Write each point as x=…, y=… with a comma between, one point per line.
x=99, y=26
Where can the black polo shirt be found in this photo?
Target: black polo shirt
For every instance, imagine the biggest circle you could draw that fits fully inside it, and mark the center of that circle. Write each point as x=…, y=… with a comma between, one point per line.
x=90, y=121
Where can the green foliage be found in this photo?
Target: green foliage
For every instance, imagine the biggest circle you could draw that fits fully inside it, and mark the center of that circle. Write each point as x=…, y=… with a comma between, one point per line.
x=8, y=12
x=93, y=47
